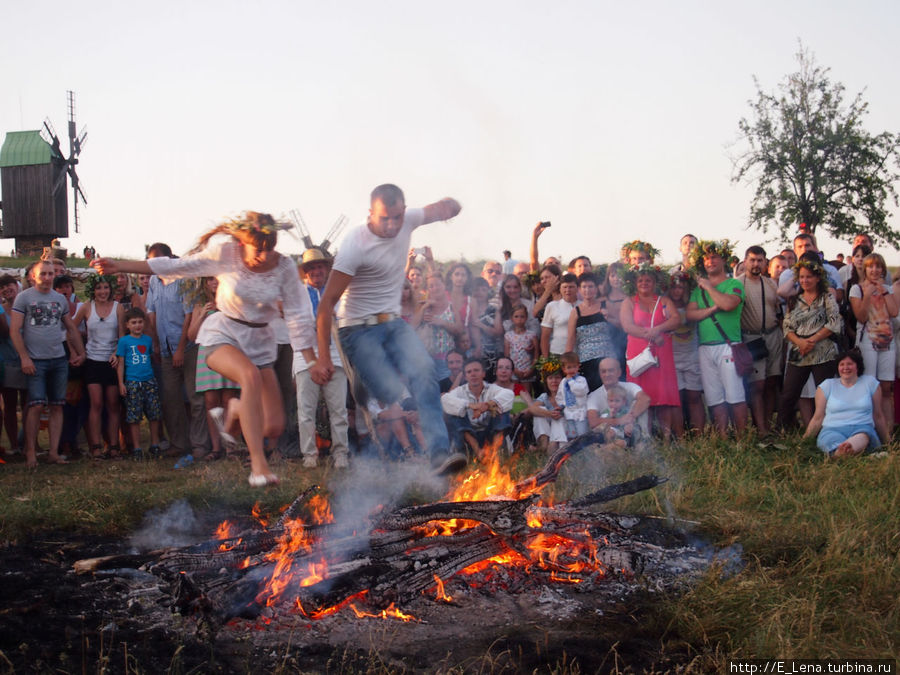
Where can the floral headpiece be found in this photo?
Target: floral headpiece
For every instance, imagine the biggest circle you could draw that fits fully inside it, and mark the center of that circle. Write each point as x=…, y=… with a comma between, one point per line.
x=629, y=277
x=809, y=266
x=706, y=247
x=91, y=284
x=682, y=278
x=641, y=246
x=252, y=221
x=547, y=366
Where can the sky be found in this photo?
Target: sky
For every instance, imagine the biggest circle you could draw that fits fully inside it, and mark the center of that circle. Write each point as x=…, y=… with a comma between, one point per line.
x=612, y=120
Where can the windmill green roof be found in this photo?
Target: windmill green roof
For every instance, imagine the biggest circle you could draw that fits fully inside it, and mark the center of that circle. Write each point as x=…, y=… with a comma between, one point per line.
x=23, y=148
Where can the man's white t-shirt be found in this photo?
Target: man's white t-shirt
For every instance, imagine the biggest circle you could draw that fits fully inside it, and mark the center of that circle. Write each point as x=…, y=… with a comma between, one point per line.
x=597, y=402
x=377, y=266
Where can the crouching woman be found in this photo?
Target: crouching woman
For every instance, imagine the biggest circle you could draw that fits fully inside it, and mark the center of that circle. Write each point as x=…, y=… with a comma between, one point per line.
x=848, y=419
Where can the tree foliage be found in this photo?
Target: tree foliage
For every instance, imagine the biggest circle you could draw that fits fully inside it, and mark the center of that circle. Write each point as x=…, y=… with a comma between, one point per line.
x=813, y=162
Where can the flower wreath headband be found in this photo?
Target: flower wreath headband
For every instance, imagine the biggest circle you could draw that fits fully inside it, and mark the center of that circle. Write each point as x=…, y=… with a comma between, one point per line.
x=547, y=366
x=91, y=284
x=809, y=266
x=642, y=247
x=251, y=221
x=630, y=275
x=706, y=247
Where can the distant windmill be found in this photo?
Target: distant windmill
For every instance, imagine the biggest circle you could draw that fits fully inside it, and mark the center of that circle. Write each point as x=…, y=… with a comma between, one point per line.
x=76, y=143
x=33, y=172
x=330, y=236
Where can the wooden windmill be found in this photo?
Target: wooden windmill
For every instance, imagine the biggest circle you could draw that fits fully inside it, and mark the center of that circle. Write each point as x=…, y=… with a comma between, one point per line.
x=33, y=171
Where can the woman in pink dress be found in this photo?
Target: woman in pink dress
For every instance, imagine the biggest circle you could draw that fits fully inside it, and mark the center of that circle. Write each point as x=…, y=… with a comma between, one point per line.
x=648, y=317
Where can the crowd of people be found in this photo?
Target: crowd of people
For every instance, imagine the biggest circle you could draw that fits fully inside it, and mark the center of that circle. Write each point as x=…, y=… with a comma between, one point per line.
x=382, y=348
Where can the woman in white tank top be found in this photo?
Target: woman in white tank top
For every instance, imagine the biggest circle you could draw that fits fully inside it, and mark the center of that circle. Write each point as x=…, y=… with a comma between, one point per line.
x=105, y=320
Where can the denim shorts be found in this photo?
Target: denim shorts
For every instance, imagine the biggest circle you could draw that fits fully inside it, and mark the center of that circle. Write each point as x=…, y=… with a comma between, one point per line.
x=48, y=384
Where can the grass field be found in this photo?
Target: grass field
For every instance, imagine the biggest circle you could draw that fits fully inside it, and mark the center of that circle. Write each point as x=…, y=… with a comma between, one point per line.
x=820, y=539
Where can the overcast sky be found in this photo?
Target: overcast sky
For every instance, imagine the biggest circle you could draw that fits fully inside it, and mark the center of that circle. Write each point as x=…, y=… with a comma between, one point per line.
x=615, y=121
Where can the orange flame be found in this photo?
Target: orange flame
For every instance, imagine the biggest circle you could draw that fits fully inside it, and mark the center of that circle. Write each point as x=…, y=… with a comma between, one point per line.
x=257, y=513
x=390, y=613
x=440, y=594
x=320, y=510
x=225, y=530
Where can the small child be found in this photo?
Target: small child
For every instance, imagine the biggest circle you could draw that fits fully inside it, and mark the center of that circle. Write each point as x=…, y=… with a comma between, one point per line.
x=619, y=404
x=137, y=384
x=549, y=425
x=572, y=395
x=521, y=345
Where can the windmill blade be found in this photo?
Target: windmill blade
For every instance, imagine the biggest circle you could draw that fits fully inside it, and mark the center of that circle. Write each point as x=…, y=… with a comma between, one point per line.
x=53, y=141
x=79, y=141
x=335, y=231
x=73, y=136
x=301, y=228
x=61, y=180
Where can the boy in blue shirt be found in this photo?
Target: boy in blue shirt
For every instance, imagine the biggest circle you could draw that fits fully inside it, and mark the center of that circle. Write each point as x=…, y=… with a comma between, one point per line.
x=137, y=384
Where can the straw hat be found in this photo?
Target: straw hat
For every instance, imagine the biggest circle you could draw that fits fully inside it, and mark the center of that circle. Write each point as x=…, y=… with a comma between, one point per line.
x=312, y=255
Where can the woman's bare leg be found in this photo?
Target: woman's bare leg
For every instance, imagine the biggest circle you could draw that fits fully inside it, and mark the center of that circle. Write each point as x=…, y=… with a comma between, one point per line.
x=249, y=410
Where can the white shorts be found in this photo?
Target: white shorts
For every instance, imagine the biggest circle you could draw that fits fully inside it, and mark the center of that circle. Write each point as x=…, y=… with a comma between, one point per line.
x=879, y=365
x=721, y=383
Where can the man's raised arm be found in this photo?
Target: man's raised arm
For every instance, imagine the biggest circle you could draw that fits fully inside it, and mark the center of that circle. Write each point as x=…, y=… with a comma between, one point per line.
x=445, y=209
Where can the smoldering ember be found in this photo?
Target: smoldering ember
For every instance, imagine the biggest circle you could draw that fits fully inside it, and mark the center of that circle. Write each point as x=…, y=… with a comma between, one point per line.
x=432, y=577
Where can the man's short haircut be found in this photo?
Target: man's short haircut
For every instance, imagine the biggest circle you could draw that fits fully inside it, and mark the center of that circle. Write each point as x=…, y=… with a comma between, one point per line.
x=588, y=277
x=8, y=279
x=134, y=313
x=30, y=270
x=755, y=250
x=388, y=194
x=474, y=359
x=62, y=280
x=864, y=234
x=508, y=254
x=569, y=359
x=159, y=250
x=778, y=257
x=454, y=351
x=805, y=235
x=568, y=278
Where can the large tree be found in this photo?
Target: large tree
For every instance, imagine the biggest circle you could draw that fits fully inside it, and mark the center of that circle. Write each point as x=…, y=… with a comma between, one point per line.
x=812, y=162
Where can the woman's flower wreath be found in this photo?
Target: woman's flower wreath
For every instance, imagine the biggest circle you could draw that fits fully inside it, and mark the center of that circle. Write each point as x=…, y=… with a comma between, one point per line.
x=809, y=266
x=629, y=277
x=547, y=366
x=90, y=285
x=705, y=247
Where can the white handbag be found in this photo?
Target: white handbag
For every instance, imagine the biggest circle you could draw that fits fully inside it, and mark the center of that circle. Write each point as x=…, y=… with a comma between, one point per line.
x=645, y=358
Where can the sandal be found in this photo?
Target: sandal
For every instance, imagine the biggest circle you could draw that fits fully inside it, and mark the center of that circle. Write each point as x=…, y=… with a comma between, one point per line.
x=98, y=453
x=262, y=480
x=213, y=456
x=217, y=415
x=114, y=452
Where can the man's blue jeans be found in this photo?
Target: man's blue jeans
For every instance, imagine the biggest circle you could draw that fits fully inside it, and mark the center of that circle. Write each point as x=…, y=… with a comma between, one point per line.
x=386, y=357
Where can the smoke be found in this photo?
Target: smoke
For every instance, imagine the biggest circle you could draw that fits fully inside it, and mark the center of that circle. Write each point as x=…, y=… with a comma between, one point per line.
x=175, y=526
x=372, y=485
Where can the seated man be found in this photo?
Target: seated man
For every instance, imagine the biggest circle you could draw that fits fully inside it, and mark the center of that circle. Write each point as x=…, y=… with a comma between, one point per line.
x=598, y=404
x=477, y=413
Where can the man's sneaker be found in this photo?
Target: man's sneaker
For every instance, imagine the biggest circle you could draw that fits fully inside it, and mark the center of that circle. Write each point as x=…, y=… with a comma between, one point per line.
x=184, y=462
x=310, y=462
x=341, y=462
x=155, y=452
x=453, y=463
x=137, y=455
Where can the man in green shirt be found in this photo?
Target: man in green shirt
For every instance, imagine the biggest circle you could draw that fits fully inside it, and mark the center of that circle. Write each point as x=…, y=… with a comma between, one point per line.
x=718, y=299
